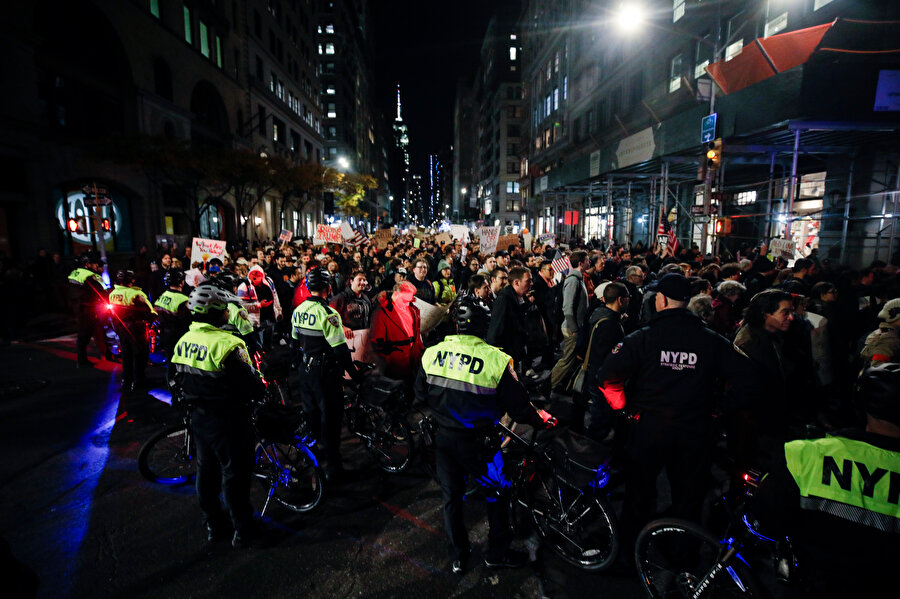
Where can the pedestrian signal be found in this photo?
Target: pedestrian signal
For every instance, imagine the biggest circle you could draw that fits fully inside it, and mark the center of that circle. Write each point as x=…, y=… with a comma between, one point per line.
x=714, y=154
x=104, y=224
x=723, y=226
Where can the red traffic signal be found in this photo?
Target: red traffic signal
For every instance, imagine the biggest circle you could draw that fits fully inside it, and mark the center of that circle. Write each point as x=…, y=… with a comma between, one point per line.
x=73, y=225
x=723, y=226
x=104, y=224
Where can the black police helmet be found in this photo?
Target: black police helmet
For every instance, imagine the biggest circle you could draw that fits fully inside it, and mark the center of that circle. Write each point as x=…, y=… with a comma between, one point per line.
x=173, y=277
x=878, y=390
x=125, y=277
x=318, y=279
x=472, y=316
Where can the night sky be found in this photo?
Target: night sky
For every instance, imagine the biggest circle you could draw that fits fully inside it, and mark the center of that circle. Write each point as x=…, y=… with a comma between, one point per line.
x=426, y=45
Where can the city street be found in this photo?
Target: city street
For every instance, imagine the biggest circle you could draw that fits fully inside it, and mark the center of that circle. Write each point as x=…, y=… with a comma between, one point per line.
x=77, y=512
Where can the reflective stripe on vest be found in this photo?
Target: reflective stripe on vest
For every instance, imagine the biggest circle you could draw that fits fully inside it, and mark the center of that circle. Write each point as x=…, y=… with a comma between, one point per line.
x=465, y=363
x=125, y=296
x=203, y=349
x=170, y=301
x=849, y=479
x=315, y=319
x=79, y=276
x=239, y=319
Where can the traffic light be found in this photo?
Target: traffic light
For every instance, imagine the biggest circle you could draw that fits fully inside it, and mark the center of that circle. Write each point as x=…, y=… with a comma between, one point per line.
x=714, y=154
x=723, y=226
x=75, y=224
x=104, y=224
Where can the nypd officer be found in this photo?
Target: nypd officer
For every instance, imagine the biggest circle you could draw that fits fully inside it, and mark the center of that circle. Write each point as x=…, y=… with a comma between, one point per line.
x=174, y=316
x=89, y=297
x=837, y=498
x=671, y=367
x=212, y=373
x=470, y=385
x=131, y=309
x=317, y=329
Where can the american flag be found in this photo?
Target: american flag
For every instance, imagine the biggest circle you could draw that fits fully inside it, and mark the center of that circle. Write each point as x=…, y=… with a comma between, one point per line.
x=672, y=243
x=359, y=239
x=560, y=262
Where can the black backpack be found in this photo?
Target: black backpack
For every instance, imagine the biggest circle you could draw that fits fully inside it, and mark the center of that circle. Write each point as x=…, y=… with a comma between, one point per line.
x=555, y=302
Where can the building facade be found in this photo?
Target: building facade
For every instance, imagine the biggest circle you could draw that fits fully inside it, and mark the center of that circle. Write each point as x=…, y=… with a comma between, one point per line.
x=615, y=111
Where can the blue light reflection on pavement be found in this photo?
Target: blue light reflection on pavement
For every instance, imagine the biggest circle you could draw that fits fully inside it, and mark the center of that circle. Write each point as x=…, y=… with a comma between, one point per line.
x=162, y=395
x=83, y=467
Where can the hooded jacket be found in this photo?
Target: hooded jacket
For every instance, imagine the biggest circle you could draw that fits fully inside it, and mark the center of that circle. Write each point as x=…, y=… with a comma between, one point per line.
x=395, y=335
x=250, y=299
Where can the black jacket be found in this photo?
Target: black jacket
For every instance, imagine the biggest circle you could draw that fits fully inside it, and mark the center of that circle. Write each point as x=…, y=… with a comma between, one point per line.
x=672, y=367
x=507, y=328
x=607, y=335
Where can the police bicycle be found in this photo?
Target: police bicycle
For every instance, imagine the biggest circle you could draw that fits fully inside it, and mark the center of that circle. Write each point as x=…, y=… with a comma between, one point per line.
x=374, y=411
x=559, y=491
x=286, y=467
x=680, y=559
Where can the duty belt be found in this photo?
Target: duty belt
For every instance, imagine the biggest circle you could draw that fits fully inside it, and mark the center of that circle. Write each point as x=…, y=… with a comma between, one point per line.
x=318, y=360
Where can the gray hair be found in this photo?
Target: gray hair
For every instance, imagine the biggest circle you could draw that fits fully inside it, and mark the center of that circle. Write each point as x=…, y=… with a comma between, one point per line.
x=731, y=288
x=745, y=264
x=633, y=270
x=701, y=305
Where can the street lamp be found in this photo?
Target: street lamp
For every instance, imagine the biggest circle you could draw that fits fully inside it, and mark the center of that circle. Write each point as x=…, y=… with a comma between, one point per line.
x=343, y=162
x=629, y=16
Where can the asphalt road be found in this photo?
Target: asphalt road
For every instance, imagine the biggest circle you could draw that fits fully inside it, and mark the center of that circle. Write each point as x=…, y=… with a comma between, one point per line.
x=74, y=508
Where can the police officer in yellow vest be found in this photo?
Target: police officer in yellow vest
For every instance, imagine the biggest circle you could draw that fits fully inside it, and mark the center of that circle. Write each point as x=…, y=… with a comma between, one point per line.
x=131, y=309
x=88, y=297
x=212, y=373
x=238, y=317
x=317, y=329
x=470, y=385
x=174, y=316
x=838, y=498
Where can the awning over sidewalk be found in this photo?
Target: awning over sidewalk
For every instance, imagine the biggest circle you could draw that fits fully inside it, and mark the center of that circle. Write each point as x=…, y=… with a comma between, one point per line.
x=764, y=57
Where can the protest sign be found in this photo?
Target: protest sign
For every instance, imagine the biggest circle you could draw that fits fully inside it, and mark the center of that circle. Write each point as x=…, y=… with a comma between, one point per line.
x=382, y=237
x=443, y=238
x=417, y=243
x=782, y=248
x=527, y=238
x=326, y=234
x=347, y=231
x=431, y=314
x=547, y=239
x=488, y=237
x=504, y=241
x=204, y=250
x=460, y=232
x=285, y=236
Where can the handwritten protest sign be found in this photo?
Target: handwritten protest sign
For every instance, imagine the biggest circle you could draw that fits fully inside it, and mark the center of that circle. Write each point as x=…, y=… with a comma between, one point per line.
x=504, y=241
x=460, y=232
x=443, y=238
x=382, y=237
x=347, y=231
x=285, y=236
x=488, y=237
x=547, y=239
x=782, y=248
x=325, y=234
x=431, y=314
x=527, y=238
x=204, y=250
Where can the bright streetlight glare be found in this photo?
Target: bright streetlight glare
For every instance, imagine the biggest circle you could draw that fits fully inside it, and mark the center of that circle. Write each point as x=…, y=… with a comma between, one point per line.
x=630, y=16
x=343, y=162
x=463, y=190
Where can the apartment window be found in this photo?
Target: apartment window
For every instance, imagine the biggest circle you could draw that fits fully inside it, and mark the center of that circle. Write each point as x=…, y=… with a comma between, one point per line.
x=776, y=24
x=704, y=50
x=591, y=125
x=555, y=98
x=512, y=187
x=556, y=62
x=273, y=80
x=277, y=129
x=329, y=28
x=512, y=52
x=332, y=111
x=320, y=50
x=219, y=52
x=259, y=69
x=204, y=39
x=188, y=35
x=677, y=10
x=330, y=90
x=329, y=67
x=675, y=69
x=512, y=168
x=734, y=50
x=512, y=149
x=332, y=133
x=565, y=88
x=512, y=131
x=154, y=8
x=816, y=5
x=547, y=138
x=332, y=153
x=329, y=48
x=745, y=197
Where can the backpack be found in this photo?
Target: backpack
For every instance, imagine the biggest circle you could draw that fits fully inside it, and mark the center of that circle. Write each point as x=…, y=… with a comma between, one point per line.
x=555, y=302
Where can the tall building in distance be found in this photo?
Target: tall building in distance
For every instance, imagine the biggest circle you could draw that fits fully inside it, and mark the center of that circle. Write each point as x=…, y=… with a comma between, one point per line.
x=400, y=207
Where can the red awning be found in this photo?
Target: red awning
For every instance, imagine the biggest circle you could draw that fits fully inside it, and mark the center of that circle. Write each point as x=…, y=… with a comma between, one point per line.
x=765, y=57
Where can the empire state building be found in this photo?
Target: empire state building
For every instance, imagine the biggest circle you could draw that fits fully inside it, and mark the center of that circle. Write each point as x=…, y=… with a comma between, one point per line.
x=400, y=210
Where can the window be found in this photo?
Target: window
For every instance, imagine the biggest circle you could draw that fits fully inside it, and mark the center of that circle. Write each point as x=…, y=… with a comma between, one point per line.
x=512, y=168
x=219, y=52
x=556, y=62
x=332, y=153
x=704, y=51
x=512, y=187
x=512, y=52
x=565, y=88
x=745, y=197
x=677, y=10
x=555, y=98
x=675, y=73
x=329, y=48
x=188, y=36
x=332, y=111
x=734, y=50
x=261, y=113
x=273, y=80
x=329, y=28
x=512, y=149
x=512, y=131
x=204, y=39
x=277, y=130
x=154, y=8
x=816, y=5
x=259, y=69
x=776, y=24
x=332, y=133
x=329, y=90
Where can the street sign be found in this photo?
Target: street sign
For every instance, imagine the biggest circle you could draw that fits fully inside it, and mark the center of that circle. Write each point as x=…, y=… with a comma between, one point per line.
x=101, y=201
x=708, y=128
x=701, y=219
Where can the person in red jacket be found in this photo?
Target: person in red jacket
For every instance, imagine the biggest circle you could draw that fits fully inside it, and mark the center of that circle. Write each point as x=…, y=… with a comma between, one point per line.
x=395, y=338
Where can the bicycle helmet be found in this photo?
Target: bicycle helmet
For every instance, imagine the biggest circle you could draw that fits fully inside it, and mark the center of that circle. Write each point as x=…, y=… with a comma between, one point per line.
x=173, y=277
x=878, y=389
x=125, y=277
x=318, y=279
x=472, y=316
x=89, y=257
x=207, y=297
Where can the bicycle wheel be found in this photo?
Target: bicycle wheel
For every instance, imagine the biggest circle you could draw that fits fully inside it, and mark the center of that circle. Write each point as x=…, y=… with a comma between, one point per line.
x=675, y=558
x=578, y=526
x=290, y=475
x=387, y=438
x=168, y=457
